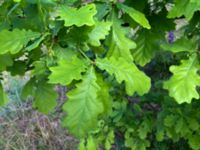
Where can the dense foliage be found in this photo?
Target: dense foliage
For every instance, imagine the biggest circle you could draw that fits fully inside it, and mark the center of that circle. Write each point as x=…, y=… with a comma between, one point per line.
x=131, y=67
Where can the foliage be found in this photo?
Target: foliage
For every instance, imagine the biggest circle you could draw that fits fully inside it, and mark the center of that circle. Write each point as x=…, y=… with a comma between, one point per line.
x=131, y=68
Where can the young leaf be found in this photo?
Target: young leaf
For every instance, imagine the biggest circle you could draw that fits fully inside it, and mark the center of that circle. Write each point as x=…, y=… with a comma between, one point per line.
x=182, y=85
x=136, y=15
x=83, y=105
x=78, y=17
x=120, y=45
x=184, y=7
x=14, y=41
x=67, y=71
x=135, y=80
x=99, y=32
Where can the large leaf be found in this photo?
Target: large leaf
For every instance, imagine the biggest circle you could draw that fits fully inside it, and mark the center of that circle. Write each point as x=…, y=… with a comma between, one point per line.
x=67, y=71
x=99, y=32
x=78, y=17
x=184, y=7
x=120, y=45
x=83, y=106
x=135, y=80
x=182, y=85
x=137, y=16
x=14, y=41
x=45, y=98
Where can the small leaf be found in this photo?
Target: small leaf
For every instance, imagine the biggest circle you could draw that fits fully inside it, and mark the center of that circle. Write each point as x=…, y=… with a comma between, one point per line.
x=81, y=145
x=99, y=32
x=91, y=144
x=3, y=96
x=36, y=43
x=136, y=15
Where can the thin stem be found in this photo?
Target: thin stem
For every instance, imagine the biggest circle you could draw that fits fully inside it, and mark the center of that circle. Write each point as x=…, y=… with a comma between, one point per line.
x=84, y=54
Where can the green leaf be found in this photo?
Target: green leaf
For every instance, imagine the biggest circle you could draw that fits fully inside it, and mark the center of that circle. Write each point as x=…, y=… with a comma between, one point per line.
x=104, y=96
x=182, y=85
x=78, y=17
x=28, y=89
x=147, y=45
x=181, y=45
x=110, y=139
x=83, y=105
x=40, y=68
x=144, y=128
x=135, y=80
x=45, y=98
x=160, y=135
x=184, y=7
x=5, y=60
x=3, y=96
x=36, y=43
x=194, y=141
x=91, y=144
x=81, y=145
x=99, y=32
x=18, y=68
x=170, y=120
x=14, y=41
x=134, y=142
x=64, y=53
x=67, y=71
x=120, y=45
x=193, y=124
x=137, y=16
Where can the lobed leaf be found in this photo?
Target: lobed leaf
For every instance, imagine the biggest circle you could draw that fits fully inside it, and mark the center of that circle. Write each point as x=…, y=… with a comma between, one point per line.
x=83, y=105
x=67, y=71
x=135, y=80
x=182, y=85
x=14, y=41
x=78, y=17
